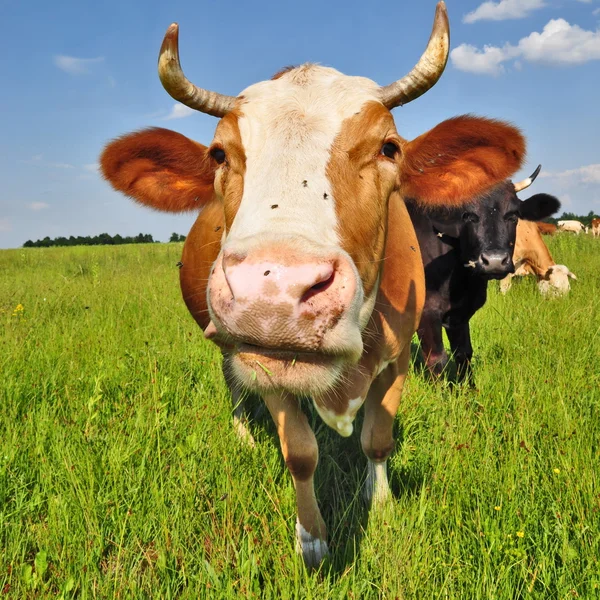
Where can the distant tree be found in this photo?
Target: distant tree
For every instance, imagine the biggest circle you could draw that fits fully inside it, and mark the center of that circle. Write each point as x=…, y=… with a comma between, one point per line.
x=175, y=237
x=104, y=239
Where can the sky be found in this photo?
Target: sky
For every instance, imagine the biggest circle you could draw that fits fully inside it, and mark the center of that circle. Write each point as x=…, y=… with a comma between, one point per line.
x=77, y=73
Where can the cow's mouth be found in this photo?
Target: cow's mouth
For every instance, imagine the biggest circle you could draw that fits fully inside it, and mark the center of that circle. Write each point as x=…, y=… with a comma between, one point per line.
x=262, y=369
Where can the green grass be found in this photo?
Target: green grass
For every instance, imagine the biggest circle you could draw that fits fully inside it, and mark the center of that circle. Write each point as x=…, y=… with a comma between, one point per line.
x=121, y=476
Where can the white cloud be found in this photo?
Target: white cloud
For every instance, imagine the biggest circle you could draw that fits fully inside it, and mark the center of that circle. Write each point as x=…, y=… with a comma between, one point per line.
x=54, y=165
x=5, y=225
x=92, y=167
x=596, y=12
x=179, y=111
x=483, y=62
x=585, y=174
x=559, y=44
x=39, y=161
x=75, y=66
x=505, y=9
x=36, y=206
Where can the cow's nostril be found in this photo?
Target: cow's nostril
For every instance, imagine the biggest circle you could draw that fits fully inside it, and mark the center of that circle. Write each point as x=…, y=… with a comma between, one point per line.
x=505, y=261
x=319, y=287
x=484, y=260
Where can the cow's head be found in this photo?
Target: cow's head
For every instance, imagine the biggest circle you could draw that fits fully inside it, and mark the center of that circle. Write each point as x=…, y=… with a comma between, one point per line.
x=297, y=182
x=487, y=227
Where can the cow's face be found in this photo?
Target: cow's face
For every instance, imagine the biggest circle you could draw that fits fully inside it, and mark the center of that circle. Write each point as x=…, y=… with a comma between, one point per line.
x=304, y=168
x=489, y=228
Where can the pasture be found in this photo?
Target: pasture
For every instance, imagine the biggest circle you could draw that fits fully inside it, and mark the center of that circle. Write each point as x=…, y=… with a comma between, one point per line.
x=121, y=476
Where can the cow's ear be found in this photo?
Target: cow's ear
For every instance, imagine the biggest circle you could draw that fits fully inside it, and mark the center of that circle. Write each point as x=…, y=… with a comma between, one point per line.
x=160, y=168
x=538, y=207
x=459, y=159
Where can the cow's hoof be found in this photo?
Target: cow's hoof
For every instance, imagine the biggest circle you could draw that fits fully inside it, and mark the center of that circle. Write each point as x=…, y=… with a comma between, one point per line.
x=376, y=491
x=240, y=426
x=312, y=549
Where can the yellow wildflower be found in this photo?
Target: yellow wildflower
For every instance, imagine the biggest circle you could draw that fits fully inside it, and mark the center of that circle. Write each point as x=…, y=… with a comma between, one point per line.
x=496, y=508
x=557, y=471
x=520, y=534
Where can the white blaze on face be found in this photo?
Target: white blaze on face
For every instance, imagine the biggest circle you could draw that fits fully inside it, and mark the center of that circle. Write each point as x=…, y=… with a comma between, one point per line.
x=288, y=127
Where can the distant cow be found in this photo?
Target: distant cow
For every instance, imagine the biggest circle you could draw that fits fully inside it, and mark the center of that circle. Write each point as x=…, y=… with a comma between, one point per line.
x=462, y=250
x=575, y=226
x=596, y=227
x=546, y=228
x=531, y=256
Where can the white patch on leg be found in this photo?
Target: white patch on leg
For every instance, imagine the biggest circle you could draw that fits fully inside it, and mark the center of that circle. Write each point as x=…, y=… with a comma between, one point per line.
x=242, y=431
x=343, y=423
x=312, y=549
x=377, y=489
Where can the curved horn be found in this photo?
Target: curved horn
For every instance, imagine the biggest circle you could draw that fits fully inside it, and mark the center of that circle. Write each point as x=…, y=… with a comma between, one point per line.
x=519, y=187
x=180, y=88
x=429, y=68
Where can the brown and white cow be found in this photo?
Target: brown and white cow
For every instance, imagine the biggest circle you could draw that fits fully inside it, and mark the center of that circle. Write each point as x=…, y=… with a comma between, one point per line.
x=303, y=264
x=531, y=256
x=596, y=227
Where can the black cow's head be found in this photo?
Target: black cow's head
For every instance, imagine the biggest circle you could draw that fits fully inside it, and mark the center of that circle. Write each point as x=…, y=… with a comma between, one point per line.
x=485, y=229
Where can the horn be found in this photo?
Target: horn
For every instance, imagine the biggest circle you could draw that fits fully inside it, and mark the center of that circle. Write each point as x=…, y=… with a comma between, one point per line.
x=429, y=68
x=180, y=88
x=522, y=185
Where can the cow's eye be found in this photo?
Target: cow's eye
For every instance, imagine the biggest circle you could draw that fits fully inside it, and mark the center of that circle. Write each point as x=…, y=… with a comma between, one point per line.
x=513, y=217
x=470, y=217
x=218, y=155
x=390, y=149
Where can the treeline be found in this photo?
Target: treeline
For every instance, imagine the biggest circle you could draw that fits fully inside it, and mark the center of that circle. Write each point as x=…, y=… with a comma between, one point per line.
x=104, y=239
x=569, y=216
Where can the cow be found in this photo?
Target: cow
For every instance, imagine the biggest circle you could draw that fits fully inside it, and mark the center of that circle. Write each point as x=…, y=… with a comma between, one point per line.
x=531, y=256
x=462, y=249
x=596, y=227
x=546, y=228
x=575, y=226
x=303, y=265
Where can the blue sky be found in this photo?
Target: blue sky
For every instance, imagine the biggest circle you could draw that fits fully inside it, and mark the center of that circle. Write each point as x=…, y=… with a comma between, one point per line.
x=77, y=73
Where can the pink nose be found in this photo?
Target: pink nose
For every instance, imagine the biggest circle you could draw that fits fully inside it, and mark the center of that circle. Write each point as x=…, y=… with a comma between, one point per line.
x=269, y=281
x=281, y=299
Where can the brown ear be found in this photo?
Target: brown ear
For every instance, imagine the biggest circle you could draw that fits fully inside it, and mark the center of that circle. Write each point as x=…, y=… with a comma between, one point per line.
x=160, y=168
x=459, y=159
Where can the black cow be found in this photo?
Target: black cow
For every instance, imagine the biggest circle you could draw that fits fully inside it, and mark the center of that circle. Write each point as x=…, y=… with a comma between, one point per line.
x=462, y=250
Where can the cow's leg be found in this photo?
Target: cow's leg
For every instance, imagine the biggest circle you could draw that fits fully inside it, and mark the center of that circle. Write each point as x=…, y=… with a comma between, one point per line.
x=459, y=337
x=506, y=283
x=377, y=438
x=240, y=419
x=432, y=344
x=301, y=454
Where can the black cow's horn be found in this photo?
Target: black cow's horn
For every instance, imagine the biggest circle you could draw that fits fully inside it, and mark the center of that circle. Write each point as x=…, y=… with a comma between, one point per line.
x=519, y=187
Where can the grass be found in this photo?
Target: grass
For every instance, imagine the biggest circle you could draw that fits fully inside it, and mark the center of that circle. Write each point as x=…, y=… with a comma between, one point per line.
x=121, y=476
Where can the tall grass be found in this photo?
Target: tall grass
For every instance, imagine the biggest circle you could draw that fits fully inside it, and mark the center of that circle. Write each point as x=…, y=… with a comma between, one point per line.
x=121, y=476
